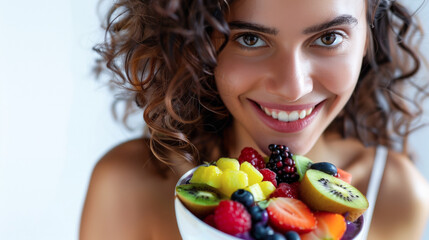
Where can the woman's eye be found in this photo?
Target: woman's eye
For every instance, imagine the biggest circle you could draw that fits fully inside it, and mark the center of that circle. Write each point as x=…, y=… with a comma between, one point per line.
x=329, y=40
x=250, y=40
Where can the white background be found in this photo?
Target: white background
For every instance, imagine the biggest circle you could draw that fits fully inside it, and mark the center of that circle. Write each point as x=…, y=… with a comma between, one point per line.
x=55, y=119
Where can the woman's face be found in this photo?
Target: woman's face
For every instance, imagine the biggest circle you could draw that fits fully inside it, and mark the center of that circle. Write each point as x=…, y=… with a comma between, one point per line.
x=290, y=67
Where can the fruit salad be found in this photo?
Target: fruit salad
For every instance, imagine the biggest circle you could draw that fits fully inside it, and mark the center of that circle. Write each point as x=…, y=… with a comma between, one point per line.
x=283, y=196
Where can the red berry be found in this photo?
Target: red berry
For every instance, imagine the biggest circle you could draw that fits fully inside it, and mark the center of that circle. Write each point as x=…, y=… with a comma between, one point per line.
x=252, y=156
x=232, y=217
x=269, y=176
x=288, y=214
x=289, y=190
x=210, y=220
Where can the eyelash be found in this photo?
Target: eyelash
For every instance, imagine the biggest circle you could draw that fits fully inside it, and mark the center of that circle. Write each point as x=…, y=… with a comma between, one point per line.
x=243, y=46
x=337, y=33
x=327, y=47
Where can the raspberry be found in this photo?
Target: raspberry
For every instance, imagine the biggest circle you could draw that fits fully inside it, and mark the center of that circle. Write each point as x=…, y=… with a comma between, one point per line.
x=269, y=176
x=232, y=217
x=210, y=220
x=289, y=190
x=250, y=155
x=282, y=163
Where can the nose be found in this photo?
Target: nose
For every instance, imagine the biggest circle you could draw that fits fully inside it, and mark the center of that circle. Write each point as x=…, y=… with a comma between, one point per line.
x=289, y=75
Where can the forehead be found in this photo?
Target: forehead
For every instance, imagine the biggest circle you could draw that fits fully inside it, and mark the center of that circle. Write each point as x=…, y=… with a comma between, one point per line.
x=295, y=13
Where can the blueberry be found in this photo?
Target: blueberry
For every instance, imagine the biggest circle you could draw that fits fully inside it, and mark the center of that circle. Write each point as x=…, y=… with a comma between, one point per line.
x=291, y=235
x=258, y=214
x=275, y=236
x=261, y=231
x=325, y=167
x=244, y=197
x=264, y=216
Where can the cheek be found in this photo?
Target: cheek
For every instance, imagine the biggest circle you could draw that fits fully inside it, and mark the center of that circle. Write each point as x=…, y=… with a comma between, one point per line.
x=339, y=75
x=235, y=75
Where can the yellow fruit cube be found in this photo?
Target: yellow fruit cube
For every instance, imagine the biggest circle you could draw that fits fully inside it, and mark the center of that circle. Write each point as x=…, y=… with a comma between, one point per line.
x=257, y=192
x=210, y=175
x=228, y=163
x=231, y=181
x=253, y=174
x=267, y=188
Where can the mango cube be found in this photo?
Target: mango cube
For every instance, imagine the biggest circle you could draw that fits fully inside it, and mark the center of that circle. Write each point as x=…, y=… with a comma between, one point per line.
x=261, y=190
x=267, y=188
x=253, y=174
x=231, y=181
x=210, y=175
x=228, y=163
x=256, y=191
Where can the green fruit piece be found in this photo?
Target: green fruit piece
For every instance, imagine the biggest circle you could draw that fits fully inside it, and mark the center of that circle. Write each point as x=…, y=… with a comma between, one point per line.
x=302, y=164
x=210, y=175
x=323, y=192
x=200, y=199
x=228, y=163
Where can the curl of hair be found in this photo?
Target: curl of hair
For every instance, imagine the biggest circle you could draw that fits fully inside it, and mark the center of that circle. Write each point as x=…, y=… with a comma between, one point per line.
x=163, y=53
x=386, y=104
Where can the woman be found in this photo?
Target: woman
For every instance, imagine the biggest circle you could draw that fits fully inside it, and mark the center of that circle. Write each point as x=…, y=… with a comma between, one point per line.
x=326, y=78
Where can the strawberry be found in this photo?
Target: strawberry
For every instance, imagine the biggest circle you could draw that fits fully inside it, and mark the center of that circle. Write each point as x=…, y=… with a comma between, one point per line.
x=329, y=226
x=290, y=190
x=269, y=176
x=289, y=214
x=232, y=217
x=252, y=156
x=343, y=175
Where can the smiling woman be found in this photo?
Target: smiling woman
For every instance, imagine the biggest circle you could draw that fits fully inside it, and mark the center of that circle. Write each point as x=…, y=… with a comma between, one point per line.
x=326, y=78
x=290, y=68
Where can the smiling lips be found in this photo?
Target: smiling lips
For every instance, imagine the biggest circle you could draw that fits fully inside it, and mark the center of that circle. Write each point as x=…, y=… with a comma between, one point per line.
x=287, y=116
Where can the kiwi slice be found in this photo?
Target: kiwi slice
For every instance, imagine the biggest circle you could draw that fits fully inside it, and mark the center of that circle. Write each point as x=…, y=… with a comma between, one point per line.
x=324, y=192
x=200, y=199
x=302, y=164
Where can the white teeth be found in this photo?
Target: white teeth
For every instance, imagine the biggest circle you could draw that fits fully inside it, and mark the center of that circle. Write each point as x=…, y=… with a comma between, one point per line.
x=267, y=111
x=283, y=116
x=274, y=115
x=287, y=116
x=302, y=114
x=293, y=116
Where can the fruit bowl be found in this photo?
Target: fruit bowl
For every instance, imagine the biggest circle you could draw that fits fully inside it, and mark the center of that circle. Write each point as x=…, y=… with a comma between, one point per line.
x=190, y=226
x=235, y=199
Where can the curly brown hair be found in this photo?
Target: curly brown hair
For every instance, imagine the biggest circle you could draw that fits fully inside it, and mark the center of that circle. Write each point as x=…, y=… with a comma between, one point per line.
x=163, y=52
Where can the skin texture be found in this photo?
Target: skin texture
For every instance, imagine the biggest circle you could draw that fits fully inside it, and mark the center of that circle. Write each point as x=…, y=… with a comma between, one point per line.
x=291, y=68
x=128, y=199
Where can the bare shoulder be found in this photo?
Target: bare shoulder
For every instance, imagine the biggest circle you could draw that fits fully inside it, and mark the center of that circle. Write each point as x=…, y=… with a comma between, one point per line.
x=402, y=202
x=127, y=194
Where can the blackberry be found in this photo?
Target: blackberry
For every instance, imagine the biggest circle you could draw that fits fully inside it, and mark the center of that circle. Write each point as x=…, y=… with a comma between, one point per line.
x=282, y=164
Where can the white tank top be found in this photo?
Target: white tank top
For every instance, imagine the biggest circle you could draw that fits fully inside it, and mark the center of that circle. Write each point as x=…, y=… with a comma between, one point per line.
x=373, y=187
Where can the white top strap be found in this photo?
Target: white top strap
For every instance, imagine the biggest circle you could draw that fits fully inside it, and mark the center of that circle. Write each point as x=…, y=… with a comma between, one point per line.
x=373, y=187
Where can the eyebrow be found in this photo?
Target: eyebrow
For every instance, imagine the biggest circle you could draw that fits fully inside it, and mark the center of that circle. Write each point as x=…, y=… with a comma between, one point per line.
x=252, y=26
x=340, y=20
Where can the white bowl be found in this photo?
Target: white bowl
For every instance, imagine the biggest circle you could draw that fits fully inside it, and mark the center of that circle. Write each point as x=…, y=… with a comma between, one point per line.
x=192, y=228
